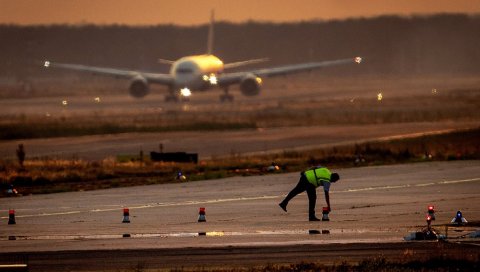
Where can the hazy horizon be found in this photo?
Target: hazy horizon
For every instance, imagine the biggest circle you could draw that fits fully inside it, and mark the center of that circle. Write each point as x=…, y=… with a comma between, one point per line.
x=188, y=13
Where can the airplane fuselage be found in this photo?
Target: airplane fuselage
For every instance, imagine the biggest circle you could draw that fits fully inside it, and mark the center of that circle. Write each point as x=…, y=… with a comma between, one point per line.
x=196, y=73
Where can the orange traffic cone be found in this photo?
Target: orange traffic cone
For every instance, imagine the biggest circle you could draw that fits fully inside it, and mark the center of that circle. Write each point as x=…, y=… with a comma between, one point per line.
x=126, y=215
x=11, y=217
x=201, y=215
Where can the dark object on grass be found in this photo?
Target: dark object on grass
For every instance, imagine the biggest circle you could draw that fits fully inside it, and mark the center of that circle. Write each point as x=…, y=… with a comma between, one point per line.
x=426, y=235
x=174, y=157
x=21, y=155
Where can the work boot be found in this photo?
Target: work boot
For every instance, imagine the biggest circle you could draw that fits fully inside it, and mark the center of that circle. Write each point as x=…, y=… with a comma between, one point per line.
x=313, y=218
x=283, y=206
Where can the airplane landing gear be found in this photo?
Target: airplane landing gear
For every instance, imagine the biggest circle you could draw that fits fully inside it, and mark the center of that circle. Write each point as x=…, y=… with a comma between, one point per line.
x=176, y=99
x=171, y=98
x=226, y=97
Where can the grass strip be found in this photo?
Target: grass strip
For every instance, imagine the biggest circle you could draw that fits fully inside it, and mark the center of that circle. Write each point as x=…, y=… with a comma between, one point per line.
x=49, y=175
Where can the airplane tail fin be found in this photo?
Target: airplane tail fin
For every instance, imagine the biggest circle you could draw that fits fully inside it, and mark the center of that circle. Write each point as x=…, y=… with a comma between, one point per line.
x=210, y=33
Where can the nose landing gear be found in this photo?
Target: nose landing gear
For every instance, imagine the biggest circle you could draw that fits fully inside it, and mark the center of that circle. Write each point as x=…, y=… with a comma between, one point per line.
x=226, y=97
x=173, y=96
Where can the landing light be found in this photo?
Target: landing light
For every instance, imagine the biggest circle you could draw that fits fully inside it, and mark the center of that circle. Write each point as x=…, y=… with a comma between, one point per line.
x=46, y=64
x=213, y=79
x=379, y=96
x=259, y=80
x=185, y=92
x=358, y=60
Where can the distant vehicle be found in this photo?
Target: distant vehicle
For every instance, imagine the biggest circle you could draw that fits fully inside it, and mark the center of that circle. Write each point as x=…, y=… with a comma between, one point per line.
x=200, y=73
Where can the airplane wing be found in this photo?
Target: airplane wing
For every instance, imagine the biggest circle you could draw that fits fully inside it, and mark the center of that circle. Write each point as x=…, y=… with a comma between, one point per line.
x=232, y=78
x=164, y=79
x=243, y=63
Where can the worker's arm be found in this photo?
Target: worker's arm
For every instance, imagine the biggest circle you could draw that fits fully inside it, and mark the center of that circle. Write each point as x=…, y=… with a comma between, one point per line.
x=327, y=199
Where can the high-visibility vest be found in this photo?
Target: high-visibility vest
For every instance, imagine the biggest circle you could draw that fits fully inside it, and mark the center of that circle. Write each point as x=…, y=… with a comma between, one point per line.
x=318, y=175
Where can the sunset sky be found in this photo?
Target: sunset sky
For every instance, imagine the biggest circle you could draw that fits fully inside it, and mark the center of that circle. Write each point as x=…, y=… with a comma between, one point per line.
x=192, y=12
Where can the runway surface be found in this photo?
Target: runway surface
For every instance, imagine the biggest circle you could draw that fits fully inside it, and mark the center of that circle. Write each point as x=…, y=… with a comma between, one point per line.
x=370, y=206
x=223, y=143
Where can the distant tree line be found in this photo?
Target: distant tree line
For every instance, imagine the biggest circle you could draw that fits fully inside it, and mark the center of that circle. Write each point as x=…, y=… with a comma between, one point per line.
x=445, y=44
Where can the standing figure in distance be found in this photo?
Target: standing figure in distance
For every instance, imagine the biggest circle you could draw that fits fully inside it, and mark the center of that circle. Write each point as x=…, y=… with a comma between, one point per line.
x=309, y=181
x=21, y=155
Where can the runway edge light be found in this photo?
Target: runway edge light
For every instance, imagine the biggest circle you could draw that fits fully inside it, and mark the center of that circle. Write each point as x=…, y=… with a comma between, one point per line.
x=431, y=211
x=429, y=222
x=11, y=217
x=201, y=215
x=126, y=215
x=325, y=213
x=459, y=219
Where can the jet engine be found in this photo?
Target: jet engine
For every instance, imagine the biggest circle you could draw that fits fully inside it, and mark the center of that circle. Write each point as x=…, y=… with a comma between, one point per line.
x=139, y=87
x=250, y=85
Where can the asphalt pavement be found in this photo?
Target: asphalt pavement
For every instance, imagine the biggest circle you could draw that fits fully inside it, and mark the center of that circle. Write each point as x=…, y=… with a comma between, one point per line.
x=369, y=204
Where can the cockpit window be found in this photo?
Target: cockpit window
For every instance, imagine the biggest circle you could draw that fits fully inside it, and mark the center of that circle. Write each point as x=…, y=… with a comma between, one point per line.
x=184, y=71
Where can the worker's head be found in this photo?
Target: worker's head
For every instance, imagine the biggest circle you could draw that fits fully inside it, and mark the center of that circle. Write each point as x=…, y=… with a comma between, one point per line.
x=334, y=177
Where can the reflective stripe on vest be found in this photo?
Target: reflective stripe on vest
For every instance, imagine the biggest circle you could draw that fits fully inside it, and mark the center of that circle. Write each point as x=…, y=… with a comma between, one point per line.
x=317, y=175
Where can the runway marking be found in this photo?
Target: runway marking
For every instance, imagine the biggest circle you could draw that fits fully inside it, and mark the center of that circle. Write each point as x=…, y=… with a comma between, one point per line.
x=190, y=234
x=145, y=206
x=458, y=181
x=342, y=143
x=375, y=188
x=191, y=202
x=212, y=201
x=44, y=214
x=409, y=185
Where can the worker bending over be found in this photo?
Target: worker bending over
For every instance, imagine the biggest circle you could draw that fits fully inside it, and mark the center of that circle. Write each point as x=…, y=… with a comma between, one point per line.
x=309, y=181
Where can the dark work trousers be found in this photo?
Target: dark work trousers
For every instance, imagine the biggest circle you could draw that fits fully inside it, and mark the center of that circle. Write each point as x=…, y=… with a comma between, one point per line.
x=302, y=186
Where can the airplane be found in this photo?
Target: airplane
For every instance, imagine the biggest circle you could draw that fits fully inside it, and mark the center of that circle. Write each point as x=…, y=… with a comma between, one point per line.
x=200, y=73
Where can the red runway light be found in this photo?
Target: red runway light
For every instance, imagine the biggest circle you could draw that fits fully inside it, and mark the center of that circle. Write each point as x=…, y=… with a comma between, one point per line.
x=325, y=212
x=126, y=215
x=11, y=217
x=431, y=212
x=201, y=215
